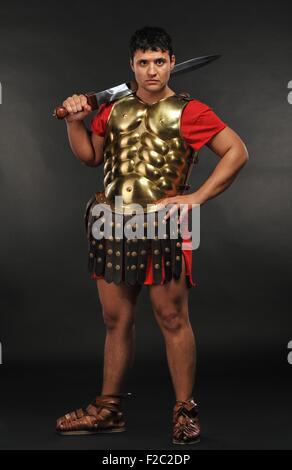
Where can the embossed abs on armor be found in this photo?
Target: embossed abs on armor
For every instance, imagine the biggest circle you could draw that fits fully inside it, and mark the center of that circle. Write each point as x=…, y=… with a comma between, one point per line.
x=145, y=156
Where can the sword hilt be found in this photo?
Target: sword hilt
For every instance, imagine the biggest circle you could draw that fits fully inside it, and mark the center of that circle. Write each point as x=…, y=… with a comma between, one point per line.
x=61, y=112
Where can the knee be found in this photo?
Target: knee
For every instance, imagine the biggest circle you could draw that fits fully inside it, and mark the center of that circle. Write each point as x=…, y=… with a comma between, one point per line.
x=117, y=318
x=170, y=319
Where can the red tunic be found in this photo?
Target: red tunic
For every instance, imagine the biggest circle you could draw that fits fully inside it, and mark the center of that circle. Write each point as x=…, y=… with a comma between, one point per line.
x=199, y=124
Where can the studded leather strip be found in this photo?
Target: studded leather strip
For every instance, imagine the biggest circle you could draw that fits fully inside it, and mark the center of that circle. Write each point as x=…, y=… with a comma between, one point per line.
x=118, y=260
x=156, y=255
x=95, y=246
x=166, y=253
x=177, y=256
x=132, y=261
x=143, y=249
x=99, y=256
x=109, y=260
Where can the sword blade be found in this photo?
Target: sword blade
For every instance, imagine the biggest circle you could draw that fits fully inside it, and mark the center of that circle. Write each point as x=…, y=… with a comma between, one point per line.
x=193, y=64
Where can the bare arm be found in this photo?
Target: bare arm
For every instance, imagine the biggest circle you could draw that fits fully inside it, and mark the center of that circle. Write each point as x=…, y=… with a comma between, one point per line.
x=87, y=147
x=233, y=156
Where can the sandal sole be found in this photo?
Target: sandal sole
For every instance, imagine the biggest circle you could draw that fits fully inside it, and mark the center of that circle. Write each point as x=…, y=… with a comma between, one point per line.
x=82, y=433
x=184, y=442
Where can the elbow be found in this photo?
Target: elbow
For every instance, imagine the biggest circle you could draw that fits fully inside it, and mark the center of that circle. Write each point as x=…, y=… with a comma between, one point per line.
x=90, y=162
x=246, y=154
x=243, y=155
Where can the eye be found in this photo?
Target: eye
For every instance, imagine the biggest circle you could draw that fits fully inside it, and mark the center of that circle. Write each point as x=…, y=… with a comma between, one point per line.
x=160, y=61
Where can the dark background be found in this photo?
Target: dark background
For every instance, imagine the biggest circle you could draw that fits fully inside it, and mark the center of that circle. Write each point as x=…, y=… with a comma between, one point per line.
x=51, y=329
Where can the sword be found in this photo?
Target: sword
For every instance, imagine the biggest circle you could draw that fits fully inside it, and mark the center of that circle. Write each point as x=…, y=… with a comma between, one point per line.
x=127, y=88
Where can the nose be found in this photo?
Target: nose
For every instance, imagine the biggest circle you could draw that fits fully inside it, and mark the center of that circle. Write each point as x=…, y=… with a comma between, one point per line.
x=152, y=70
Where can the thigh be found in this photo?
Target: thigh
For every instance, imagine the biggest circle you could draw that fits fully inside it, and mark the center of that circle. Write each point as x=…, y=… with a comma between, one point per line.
x=171, y=296
x=117, y=300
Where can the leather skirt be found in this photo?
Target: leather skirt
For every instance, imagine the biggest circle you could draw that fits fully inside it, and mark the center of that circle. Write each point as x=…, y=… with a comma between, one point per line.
x=124, y=259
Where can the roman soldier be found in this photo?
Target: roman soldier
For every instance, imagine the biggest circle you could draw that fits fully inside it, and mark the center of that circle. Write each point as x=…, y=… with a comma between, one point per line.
x=147, y=141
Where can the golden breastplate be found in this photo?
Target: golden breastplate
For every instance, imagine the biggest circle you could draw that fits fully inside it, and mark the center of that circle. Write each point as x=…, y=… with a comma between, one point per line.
x=145, y=155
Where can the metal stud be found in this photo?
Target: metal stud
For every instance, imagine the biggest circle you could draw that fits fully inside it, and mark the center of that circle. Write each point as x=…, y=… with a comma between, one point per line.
x=133, y=267
x=109, y=265
x=110, y=251
x=157, y=266
x=118, y=267
x=156, y=252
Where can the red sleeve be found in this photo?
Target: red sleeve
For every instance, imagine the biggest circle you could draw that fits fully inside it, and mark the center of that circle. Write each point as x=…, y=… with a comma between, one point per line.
x=199, y=124
x=98, y=123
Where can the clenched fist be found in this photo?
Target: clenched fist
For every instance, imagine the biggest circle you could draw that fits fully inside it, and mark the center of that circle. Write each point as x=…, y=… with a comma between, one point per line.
x=77, y=107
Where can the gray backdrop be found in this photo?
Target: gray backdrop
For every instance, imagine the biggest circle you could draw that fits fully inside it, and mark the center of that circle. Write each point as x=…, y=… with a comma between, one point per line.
x=241, y=311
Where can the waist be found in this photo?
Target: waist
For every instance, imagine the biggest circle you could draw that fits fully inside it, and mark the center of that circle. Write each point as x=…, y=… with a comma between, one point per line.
x=127, y=191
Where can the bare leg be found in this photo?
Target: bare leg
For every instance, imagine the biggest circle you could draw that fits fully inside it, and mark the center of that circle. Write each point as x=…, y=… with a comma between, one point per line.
x=170, y=304
x=104, y=414
x=118, y=304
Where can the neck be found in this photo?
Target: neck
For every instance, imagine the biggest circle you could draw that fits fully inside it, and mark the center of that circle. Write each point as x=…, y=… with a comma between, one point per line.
x=153, y=96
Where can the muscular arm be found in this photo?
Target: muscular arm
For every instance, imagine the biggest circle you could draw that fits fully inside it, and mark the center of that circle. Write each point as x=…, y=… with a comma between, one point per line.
x=87, y=147
x=233, y=154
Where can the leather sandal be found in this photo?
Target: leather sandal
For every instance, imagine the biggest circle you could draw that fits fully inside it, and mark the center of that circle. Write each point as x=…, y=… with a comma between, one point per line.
x=186, y=425
x=103, y=415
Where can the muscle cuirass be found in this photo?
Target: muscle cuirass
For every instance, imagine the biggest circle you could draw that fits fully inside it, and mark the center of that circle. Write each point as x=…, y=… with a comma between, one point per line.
x=145, y=156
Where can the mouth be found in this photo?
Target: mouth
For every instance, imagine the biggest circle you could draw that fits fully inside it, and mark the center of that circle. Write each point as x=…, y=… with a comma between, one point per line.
x=151, y=81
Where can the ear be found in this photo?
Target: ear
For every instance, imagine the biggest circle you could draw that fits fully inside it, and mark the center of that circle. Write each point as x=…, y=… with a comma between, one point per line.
x=131, y=64
x=172, y=62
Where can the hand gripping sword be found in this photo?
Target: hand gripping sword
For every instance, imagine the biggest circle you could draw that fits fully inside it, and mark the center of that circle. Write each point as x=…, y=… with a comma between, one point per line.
x=127, y=88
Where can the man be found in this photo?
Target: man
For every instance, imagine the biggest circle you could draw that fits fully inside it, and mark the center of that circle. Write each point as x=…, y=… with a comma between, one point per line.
x=147, y=141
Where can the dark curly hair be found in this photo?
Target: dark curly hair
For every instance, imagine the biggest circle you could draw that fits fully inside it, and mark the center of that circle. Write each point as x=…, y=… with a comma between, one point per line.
x=150, y=37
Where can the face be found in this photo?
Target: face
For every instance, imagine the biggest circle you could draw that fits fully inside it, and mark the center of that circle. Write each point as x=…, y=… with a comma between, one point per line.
x=152, y=69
